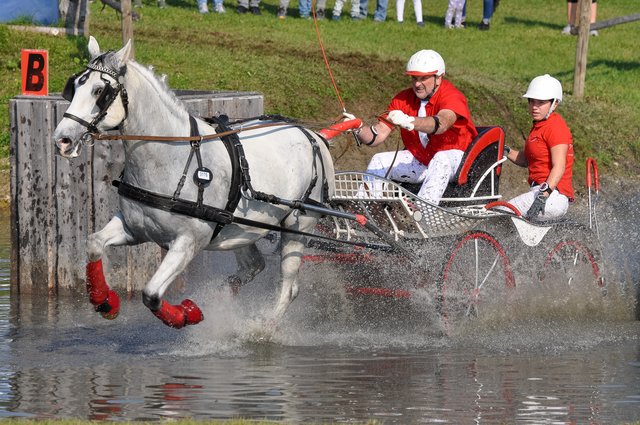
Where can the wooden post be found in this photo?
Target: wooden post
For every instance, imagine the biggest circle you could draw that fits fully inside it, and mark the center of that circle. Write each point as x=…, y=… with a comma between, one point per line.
x=580, y=72
x=75, y=14
x=127, y=25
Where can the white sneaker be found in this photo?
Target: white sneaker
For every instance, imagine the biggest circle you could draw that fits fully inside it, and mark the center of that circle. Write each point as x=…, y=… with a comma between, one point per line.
x=594, y=33
x=567, y=30
x=219, y=8
x=203, y=8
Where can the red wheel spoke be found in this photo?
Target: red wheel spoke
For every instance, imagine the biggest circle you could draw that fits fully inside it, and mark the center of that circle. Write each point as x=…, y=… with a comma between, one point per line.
x=476, y=271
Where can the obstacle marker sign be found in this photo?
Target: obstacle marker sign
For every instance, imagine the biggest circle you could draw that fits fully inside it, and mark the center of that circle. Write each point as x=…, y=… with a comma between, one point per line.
x=35, y=72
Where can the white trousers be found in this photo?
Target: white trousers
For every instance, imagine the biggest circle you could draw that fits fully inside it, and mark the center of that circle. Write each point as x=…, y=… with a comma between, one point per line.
x=455, y=8
x=556, y=206
x=355, y=8
x=417, y=7
x=434, y=178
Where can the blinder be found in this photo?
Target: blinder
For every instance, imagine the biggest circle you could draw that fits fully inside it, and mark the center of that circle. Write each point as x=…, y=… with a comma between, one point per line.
x=105, y=98
x=70, y=88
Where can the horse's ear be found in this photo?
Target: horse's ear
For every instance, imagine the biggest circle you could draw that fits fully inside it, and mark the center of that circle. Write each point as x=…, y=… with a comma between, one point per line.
x=123, y=55
x=94, y=49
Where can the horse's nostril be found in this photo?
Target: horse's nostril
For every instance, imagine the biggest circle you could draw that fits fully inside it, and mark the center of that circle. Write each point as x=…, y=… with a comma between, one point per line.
x=65, y=146
x=62, y=143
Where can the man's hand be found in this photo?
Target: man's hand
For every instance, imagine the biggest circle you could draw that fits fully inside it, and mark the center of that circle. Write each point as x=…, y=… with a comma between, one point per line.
x=349, y=117
x=537, y=207
x=401, y=119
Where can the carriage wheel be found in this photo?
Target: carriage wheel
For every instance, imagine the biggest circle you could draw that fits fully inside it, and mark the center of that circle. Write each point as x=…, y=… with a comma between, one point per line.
x=475, y=274
x=571, y=258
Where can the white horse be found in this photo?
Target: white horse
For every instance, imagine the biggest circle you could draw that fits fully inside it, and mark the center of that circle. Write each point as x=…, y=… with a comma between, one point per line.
x=283, y=160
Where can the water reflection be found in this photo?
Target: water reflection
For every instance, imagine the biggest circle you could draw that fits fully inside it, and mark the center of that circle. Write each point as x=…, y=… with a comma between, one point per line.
x=59, y=359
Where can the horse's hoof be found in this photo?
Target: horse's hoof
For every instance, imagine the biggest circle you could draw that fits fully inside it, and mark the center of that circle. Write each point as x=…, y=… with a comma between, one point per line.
x=192, y=312
x=178, y=316
x=111, y=307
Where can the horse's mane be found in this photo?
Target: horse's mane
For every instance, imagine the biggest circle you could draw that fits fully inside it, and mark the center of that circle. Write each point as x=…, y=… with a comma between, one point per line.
x=159, y=83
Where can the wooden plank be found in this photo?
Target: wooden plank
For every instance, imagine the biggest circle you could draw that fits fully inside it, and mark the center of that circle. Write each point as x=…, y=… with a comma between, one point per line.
x=52, y=229
x=55, y=31
x=615, y=21
x=73, y=210
x=13, y=189
x=32, y=195
x=237, y=106
x=75, y=14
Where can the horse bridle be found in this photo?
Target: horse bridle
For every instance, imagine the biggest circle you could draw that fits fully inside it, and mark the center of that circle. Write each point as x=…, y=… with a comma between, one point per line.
x=104, y=101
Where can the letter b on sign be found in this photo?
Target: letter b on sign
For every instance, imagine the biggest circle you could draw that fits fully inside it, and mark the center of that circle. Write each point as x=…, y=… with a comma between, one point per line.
x=35, y=72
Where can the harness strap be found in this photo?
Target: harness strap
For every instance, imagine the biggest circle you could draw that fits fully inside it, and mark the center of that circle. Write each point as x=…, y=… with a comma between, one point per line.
x=91, y=126
x=208, y=213
x=240, y=181
x=168, y=203
x=195, y=147
x=299, y=204
x=196, y=209
x=234, y=150
x=236, y=155
x=325, y=181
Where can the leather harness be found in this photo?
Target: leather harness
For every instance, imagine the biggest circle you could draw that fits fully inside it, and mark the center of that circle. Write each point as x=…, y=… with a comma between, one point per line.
x=240, y=184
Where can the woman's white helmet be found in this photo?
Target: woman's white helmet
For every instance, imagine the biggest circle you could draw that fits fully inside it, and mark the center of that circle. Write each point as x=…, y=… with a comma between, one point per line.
x=544, y=87
x=425, y=62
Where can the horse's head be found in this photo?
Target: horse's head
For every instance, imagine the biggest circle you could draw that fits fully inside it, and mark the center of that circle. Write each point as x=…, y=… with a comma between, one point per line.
x=98, y=99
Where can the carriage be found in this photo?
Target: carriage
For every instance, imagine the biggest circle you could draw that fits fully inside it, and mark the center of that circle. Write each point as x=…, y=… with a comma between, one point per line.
x=468, y=252
x=464, y=247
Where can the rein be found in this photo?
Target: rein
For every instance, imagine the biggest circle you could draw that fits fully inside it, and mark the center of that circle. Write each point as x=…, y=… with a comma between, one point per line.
x=102, y=136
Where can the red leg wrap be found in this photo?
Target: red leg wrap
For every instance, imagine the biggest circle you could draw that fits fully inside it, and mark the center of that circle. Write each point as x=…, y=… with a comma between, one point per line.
x=97, y=288
x=105, y=300
x=192, y=312
x=178, y=316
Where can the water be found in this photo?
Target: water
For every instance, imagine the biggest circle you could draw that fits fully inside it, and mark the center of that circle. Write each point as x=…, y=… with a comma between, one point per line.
x=578, y=362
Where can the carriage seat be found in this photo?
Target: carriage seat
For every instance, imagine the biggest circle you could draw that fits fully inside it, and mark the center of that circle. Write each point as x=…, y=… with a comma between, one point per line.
x=481, y=155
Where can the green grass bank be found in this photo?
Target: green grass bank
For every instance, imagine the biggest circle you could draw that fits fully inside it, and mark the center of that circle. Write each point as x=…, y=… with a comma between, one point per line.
x=282, y=59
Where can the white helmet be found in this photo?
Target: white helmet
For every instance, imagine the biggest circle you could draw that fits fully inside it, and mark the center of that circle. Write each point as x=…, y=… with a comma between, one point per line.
x=544, y=87
x=425, y=62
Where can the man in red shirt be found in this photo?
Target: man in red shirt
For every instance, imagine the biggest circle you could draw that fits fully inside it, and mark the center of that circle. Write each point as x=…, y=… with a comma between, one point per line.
x=548, y=154
x=436, y=129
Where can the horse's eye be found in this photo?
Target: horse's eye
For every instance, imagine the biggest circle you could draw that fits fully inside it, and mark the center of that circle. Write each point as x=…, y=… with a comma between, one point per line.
x=99, y=91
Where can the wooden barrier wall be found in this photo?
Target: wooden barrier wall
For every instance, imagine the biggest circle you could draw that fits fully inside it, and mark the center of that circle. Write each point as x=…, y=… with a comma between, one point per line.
x=57, y=203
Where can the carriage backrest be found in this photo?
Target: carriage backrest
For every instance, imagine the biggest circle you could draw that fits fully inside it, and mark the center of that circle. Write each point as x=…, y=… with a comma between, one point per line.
x=479, y=172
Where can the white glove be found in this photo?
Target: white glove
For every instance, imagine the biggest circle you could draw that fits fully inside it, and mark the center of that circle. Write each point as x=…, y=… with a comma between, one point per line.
x=401, y=119
x=348, y=117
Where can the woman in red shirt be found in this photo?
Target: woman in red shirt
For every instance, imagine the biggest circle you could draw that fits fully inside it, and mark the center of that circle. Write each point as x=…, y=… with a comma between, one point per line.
x=548, y=154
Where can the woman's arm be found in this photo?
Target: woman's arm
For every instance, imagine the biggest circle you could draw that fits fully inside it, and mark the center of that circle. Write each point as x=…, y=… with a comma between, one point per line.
x=517, y=157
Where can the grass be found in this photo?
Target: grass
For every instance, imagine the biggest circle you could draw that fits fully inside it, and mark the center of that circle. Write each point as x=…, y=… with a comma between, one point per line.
x=282, y=60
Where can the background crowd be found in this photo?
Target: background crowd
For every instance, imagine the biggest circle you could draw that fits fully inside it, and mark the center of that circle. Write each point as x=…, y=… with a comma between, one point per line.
x=454, y=17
